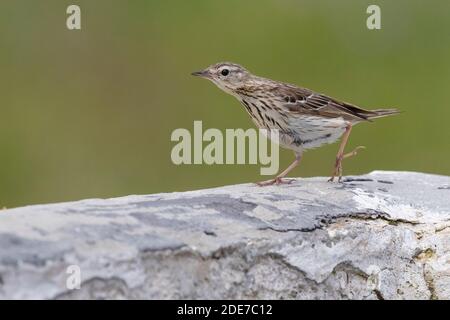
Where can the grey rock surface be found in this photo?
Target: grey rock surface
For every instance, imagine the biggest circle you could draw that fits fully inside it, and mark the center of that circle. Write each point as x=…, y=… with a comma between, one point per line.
x=384, y=235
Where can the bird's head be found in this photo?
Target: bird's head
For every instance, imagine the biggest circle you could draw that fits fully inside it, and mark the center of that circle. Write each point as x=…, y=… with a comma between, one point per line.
x=226, y=75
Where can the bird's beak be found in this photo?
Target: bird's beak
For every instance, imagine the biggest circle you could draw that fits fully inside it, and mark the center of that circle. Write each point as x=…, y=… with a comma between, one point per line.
x=203, y=74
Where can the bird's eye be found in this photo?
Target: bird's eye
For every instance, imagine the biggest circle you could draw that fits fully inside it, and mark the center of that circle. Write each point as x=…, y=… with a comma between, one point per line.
x=225, y=72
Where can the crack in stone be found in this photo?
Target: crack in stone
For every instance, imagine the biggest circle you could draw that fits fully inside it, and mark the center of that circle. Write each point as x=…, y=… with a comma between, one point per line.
x=378, y=294
x=285, y=230
x=379, y=215
x=326, y=221
x=429, y=280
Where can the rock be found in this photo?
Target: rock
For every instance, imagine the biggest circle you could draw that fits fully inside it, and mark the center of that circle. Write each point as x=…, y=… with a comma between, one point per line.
x=384, y=235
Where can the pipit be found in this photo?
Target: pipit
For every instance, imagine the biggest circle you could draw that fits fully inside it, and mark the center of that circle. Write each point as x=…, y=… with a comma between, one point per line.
x=304, y=119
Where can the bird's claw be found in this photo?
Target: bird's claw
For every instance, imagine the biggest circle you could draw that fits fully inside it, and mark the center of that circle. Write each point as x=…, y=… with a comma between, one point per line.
x=332, y=179
x=276, y=181
x=338, y=166
x=353, y=153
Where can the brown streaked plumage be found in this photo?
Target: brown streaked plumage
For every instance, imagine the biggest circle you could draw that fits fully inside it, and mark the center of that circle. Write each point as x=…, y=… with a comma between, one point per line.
x=305, y=119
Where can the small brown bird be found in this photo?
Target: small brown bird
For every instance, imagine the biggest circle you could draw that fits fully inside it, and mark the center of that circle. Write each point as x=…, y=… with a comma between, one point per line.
x=304, y=119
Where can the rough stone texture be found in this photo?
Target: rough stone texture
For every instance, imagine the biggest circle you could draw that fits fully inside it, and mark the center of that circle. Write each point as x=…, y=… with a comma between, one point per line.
x=385, y=235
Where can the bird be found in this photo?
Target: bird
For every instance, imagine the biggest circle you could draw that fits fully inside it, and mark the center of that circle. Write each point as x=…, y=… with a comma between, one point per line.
x=304, y=119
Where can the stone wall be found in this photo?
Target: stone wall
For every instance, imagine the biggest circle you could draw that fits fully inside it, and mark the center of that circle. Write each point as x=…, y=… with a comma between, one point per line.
x=384, y=235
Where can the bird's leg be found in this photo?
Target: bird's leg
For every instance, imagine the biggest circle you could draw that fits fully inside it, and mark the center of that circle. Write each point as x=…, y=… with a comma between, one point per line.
x=279, y=178
x=341, y=156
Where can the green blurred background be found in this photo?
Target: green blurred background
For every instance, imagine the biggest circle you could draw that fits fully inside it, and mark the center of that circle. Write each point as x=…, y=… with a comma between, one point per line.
x=89, y=113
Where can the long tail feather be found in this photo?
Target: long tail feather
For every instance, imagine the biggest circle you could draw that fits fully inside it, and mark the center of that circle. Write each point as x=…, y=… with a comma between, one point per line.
x=379, y=113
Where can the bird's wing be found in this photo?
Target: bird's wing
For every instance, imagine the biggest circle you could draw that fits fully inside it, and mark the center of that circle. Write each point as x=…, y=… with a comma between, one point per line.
x=304, y=101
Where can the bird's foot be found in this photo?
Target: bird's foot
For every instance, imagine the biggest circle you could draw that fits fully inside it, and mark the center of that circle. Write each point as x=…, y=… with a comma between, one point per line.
x=332, y=178
x=353, y=153
x=276, y=181
x=337, y=169
x=338, y=166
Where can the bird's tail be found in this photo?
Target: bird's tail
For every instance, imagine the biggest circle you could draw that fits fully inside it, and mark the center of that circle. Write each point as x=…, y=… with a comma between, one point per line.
x=379, y=113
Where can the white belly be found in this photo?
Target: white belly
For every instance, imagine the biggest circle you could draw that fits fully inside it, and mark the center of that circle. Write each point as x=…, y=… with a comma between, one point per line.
x=316, y=131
